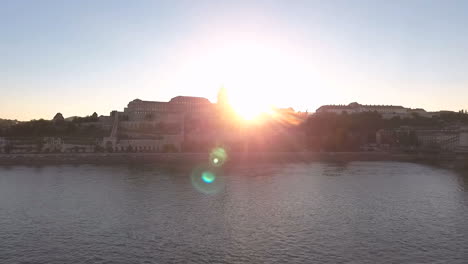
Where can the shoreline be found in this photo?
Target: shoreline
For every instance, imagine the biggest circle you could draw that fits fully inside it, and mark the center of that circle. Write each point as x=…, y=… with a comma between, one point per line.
x=449, y=160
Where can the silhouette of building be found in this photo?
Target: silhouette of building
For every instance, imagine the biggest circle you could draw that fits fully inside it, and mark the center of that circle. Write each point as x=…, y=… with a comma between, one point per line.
x=147, y=126
x=144, y=110
x=424, y=139
x=387, y=111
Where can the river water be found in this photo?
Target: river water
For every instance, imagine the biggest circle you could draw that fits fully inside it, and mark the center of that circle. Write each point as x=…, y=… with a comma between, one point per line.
x=357, y=212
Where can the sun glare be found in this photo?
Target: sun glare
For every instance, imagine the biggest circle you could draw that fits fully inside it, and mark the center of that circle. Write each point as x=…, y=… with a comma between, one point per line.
x=250, y=109
x=256, y=71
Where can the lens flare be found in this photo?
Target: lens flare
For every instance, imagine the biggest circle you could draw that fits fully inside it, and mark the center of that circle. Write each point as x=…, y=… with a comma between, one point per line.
x=218, y=157
x=208, y=177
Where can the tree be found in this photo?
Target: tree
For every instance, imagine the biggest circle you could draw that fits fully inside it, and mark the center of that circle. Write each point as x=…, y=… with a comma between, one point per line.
x=58, y=118
x=94, y=117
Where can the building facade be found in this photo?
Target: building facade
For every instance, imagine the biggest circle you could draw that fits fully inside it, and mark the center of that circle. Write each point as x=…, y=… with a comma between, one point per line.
x=387, y=111
x=423, y=139
x=138, y=110
x=152, y=126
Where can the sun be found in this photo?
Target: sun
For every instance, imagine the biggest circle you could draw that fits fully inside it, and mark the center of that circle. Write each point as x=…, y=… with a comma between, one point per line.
x=250, y=109
x=247, y=104
x=248, y=112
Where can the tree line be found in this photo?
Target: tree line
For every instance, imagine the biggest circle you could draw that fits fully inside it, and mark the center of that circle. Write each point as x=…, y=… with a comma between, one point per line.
x=316, y=132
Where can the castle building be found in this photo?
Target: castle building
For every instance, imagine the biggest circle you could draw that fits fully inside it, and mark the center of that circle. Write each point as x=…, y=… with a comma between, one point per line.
x=156, y=126
x=387, y=111
x=141, y=110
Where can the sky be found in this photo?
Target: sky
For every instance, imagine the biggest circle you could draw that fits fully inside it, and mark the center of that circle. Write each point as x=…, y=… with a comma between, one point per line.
x=80, y=57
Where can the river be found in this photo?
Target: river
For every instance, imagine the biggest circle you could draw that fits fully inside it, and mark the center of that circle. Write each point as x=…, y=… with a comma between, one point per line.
x=356, y=212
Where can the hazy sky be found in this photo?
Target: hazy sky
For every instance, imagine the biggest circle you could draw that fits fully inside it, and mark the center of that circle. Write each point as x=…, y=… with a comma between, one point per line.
x=77, y=57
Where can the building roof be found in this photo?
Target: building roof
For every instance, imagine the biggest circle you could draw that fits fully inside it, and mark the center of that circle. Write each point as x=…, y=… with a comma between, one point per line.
x=190, y=99
x=136, y=101
x=355, y=105
x=177, y=99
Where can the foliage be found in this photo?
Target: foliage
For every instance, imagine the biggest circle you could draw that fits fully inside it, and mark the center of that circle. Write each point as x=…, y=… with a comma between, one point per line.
x=346, y=132
x=7, y=123
x=45, y=128
x=87, y=119
x=58, y=117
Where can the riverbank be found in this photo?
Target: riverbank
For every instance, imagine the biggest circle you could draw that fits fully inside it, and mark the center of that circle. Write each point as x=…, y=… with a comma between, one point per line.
x=447, y=160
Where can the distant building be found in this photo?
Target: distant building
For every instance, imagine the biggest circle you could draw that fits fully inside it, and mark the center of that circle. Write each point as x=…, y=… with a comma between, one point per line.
x=3, y=144
x=19, y=145
x=153, y=115
x=152, y=126
x=441, y=139
x=463, y=140
x=145, y=110
x=52, y=144
x=167, y=143
x=425, y=139
x=387, y=111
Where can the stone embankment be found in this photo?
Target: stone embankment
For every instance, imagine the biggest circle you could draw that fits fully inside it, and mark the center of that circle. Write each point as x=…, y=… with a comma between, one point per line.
x=447, y=160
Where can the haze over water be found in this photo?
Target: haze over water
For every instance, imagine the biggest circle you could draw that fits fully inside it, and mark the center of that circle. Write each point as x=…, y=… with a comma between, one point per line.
x=358, y=212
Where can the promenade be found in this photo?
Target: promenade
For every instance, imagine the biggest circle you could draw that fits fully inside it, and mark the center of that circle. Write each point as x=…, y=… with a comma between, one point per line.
x=447, y=160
